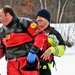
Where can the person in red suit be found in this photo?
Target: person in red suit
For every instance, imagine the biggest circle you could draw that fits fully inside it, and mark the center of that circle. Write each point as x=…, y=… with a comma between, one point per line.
x=20, y=41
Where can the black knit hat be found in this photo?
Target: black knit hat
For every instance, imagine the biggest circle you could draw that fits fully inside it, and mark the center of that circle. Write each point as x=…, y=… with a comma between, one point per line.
x=44, y=13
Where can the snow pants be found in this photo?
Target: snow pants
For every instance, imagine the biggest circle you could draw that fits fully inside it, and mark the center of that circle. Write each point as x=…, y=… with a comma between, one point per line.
x=14, y=67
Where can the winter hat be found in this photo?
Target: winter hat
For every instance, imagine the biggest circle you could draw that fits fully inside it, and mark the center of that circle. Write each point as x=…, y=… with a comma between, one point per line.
x=44, y=13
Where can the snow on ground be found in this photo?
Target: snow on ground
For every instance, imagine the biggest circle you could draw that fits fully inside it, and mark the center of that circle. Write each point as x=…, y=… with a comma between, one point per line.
x=65, y=64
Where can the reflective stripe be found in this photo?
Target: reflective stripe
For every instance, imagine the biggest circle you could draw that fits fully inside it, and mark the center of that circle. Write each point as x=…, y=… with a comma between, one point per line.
x=54, y=38
x=49, y=65
x=61, y=50
x=45, y=66
x=58, y=50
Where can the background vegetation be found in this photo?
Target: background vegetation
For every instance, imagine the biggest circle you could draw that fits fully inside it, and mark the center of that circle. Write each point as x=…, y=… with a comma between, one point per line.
x=62, y=11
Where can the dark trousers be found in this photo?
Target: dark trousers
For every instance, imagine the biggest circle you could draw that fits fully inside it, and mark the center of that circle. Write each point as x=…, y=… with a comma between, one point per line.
x=45, y=72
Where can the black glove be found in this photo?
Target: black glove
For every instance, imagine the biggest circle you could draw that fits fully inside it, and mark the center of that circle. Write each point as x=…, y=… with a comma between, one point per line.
x=30, y=66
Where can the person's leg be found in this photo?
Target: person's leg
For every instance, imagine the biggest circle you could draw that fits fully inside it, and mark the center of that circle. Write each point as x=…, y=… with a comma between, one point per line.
x=44, y=68
x=30, y=73
x=45, y=72
x=23, y=62
x=12, y=68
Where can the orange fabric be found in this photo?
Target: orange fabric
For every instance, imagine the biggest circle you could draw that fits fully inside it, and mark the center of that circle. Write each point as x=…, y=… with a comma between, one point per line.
x=14, y=67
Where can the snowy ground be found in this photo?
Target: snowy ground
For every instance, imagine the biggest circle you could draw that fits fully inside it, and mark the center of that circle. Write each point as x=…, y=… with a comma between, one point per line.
x=65, y=64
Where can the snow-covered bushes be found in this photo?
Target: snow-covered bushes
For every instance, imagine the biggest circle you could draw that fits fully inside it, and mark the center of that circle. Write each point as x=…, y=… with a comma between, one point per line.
x=67, y=30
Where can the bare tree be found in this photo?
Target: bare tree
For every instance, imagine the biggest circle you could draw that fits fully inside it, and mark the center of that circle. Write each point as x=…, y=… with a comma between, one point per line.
x=60, y=12
x=45, y=4
x=41, y=4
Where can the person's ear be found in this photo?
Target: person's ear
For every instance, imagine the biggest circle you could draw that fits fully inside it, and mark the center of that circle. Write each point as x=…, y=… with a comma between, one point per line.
x=7, y=14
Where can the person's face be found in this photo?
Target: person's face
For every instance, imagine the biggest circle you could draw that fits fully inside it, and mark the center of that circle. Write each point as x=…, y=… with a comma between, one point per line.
x=42, y=22
x=3, y=17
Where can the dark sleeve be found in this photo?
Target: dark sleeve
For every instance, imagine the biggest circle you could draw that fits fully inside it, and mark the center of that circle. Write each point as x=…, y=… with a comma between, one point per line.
x=58, y=36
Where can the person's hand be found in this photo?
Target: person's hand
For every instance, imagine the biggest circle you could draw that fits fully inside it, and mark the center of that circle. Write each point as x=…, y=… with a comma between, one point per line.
x=31, y=56
x=46, y=54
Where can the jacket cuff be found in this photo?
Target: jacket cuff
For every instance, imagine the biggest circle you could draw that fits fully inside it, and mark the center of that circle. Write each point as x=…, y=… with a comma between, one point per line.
x=53, y=51
x=36, y=49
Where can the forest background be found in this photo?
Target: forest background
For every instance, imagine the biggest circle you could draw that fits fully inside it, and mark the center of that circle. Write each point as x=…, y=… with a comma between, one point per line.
x=62, y=11
x=62, y=14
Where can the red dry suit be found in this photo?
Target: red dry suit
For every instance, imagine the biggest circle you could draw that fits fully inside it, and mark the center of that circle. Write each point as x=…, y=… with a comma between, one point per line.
x=2, y=52
x=21, y=35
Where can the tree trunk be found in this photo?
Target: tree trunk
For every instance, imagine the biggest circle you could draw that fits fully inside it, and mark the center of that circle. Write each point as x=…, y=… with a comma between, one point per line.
x=62, y=11
x=58, y=12
x=41, y=4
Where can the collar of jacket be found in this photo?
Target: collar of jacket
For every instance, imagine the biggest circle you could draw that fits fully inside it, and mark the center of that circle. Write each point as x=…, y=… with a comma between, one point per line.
x=15, y=18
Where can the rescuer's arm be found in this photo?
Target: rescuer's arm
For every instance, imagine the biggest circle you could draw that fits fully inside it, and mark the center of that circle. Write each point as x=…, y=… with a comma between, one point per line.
x=57, y=48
